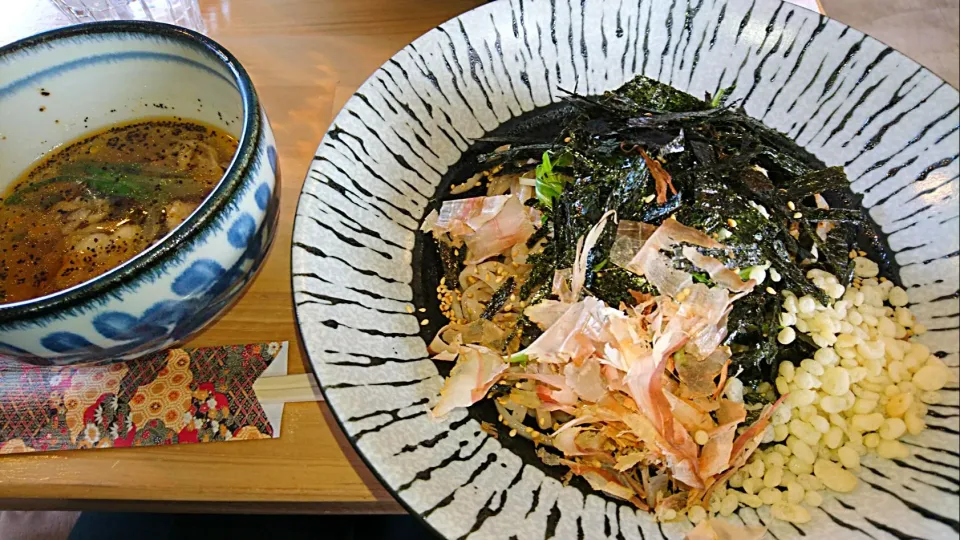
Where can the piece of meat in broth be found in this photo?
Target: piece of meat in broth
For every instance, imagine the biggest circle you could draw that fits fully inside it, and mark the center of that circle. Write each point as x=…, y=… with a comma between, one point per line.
x=176, y=212
x=93, y=251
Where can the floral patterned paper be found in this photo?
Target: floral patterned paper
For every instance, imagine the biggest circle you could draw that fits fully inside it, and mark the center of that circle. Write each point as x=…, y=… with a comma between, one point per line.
x=174, y=397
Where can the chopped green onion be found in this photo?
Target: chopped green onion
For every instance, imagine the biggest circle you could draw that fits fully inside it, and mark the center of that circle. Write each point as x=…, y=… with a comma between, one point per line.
x=549, y=184
x=519, y=358
x=720, y=98
x=700, y=277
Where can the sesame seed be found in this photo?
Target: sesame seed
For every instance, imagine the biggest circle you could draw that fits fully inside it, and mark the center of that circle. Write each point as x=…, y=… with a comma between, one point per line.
x=513, y=433
x=422, y=310
x=797, y=215
x=508, y=308
x=732, y=223
x=500, y=418
x=409, y=309
x=566, y=139
x=770, y=290
x=791, y=206
x=424, y=322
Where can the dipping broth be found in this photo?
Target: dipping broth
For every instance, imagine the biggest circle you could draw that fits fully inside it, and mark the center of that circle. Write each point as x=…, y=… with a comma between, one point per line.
x=96, y=203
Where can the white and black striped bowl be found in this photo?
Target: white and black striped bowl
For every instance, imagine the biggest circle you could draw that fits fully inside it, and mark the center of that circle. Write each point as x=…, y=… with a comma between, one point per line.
x=358, y=261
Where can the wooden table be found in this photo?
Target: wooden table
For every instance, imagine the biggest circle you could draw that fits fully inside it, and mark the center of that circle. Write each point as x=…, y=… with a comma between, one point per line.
x=306, y=58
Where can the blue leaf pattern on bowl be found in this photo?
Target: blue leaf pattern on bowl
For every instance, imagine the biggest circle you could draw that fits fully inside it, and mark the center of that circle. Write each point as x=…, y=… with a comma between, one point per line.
x=241, y=231
x=63, y=342
x=272, y=158
x=200, y=276
x=114, y=325
x=262, y=196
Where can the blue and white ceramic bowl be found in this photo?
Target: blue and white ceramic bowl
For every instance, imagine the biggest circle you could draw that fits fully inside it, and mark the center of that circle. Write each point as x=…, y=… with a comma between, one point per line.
x=59, y=85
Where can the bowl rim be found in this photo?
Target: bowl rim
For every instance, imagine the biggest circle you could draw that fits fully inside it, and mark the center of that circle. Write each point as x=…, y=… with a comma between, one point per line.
x=165, y=251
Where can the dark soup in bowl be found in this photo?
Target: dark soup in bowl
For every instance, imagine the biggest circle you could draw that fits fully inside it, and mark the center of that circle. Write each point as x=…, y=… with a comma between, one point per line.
x=97, y=202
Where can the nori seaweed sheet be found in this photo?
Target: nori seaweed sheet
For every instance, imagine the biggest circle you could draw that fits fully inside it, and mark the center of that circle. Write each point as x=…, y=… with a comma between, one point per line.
x=726, y=167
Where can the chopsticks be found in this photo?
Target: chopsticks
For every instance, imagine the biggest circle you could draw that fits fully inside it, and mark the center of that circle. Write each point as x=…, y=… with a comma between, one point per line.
x=287, y=389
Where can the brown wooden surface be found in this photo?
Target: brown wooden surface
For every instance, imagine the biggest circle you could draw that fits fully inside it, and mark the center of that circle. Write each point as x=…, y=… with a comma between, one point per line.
x=926, y=30
x=306, y=58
